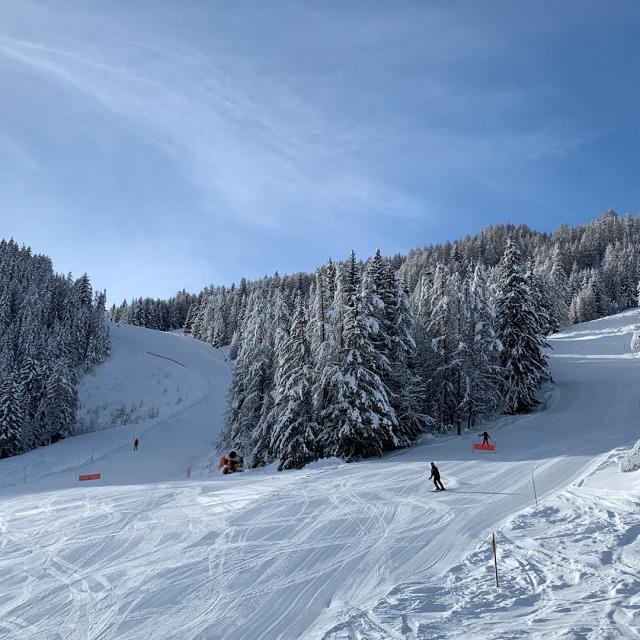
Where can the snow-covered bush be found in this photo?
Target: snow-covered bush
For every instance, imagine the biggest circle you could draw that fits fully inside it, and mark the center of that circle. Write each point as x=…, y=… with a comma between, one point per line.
x=635, y=341
x=631, y=462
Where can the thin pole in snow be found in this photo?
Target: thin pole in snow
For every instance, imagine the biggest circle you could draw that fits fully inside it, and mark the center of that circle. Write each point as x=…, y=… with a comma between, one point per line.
x=535, y=495
x=25, y=474
x=495, y=557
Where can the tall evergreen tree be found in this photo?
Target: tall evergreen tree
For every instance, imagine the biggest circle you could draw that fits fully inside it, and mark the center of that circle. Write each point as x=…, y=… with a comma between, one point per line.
x=482, y=374
x=519, y=331
x=358, y=419
x=11, y=416
x=293, y=440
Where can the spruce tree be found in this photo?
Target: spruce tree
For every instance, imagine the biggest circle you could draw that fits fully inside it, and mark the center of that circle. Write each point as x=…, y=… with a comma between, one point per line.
x=11, y=416
x=358, y=418
x=482, y=373
x=293, y=440
x=519, y=331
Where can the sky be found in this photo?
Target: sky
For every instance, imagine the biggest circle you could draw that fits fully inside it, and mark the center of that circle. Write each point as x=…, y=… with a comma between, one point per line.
x=160, y=145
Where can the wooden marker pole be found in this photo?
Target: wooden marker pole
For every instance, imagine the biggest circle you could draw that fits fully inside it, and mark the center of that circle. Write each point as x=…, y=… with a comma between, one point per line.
x=495, y=557
x=535, y=494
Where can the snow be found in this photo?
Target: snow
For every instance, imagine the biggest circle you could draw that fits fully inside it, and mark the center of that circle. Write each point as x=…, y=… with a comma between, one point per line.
x=363, y=550
x=631, y=461
x=568, y=569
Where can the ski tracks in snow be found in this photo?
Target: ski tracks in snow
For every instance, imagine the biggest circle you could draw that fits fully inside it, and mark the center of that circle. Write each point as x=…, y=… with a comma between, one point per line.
x=361, y=551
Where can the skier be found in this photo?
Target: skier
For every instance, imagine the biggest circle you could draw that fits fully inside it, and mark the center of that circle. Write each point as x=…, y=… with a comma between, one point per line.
x=485, y=438
x=135, y=444
x=435, y=474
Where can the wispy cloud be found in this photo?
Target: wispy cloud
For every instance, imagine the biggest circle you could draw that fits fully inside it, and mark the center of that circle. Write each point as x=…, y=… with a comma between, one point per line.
x=284, y=116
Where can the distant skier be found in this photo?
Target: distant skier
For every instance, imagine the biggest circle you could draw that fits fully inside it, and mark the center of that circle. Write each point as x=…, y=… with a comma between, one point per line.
x=135, y=444
x=435, y=474
x=485, y=438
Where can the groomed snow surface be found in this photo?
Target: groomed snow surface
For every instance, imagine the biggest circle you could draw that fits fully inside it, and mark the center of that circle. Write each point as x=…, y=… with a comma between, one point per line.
x=361, y=551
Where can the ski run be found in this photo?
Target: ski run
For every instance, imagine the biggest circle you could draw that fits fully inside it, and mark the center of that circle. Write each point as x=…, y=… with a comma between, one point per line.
x=361, y=551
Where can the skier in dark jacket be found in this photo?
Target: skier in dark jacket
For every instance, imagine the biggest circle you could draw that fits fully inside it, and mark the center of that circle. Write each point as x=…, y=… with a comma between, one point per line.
x=435, y=474
x=135, y=444
x=485, y=438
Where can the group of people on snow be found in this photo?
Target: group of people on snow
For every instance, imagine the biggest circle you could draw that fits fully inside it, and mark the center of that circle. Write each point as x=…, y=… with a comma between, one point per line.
x=435, y=472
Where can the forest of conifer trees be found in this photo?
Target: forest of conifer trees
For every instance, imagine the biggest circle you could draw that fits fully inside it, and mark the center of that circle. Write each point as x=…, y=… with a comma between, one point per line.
x=361, y=356
x=52, y=329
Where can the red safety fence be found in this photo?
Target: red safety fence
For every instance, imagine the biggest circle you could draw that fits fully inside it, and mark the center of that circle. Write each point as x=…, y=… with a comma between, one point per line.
x=89, y=476
x=478, y=446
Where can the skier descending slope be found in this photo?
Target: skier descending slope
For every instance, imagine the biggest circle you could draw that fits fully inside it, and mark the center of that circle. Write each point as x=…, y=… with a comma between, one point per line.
x=435, y=474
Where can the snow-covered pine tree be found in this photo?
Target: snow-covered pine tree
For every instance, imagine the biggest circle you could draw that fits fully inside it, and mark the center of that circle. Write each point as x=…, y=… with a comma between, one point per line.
x=558, y=287
x=323, y=339
x=60, y=402
x=219, y=336
x=358, y=419
x=11, y=415
x=99, y=342
x=31, y=379
x=293, y=439
x=482, y=374
x=519, y=331
x=277, y=331
x=250, y=380
x=541, y=302
x=444, y=353
x=405, y=384
x=236, y=340
x=188, y=323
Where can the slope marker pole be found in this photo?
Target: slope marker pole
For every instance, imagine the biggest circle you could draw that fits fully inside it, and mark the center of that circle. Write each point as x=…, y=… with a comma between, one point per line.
x=535, y=494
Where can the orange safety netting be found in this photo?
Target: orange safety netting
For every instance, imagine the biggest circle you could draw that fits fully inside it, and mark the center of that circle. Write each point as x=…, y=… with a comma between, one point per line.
x=478, y=446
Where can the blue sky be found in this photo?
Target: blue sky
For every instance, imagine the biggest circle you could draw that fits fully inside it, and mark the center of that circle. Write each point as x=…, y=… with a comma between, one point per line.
x=160, y=145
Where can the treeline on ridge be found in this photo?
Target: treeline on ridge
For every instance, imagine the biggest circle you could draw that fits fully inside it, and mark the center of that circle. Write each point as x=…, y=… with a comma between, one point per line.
x=361, y=356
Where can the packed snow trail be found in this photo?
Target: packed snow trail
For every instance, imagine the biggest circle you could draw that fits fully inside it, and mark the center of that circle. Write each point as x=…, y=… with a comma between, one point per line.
x=332, y=551
x=568, y=567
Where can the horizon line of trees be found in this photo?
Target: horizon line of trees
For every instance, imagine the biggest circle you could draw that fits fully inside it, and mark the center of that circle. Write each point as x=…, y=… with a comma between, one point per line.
x=595, y=265
x=360, y=357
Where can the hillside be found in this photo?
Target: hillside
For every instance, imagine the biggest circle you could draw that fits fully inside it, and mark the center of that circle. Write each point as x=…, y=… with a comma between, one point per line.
x=363, y=550
x=167, y=388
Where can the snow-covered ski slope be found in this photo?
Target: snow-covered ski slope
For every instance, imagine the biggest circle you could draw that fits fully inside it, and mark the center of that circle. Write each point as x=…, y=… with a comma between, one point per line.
x=335, y=551
x=171, y=387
